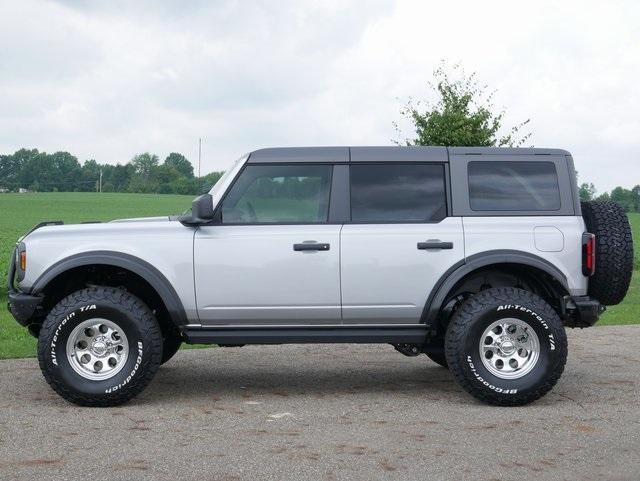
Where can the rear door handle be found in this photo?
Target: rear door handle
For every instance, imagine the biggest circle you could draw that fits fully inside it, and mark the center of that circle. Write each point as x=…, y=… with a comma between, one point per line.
x=434, y=244
x=311, y=246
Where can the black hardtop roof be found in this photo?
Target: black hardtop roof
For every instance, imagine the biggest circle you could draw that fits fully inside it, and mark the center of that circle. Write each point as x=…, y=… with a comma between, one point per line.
x=385, y=153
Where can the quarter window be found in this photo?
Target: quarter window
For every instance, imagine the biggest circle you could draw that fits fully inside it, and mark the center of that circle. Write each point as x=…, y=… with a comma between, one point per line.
x=397, y=192
x=513, y=186
x=268, y=194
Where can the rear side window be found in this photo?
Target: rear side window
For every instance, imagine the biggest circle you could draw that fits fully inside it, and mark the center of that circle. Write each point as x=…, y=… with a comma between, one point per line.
x=513, y=186
x=397, y=193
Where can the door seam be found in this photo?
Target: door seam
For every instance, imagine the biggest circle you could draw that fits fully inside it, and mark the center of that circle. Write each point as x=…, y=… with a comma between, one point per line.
x=340, y=271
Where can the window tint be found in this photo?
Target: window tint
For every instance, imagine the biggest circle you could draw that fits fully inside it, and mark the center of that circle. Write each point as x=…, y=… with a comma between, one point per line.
x=279, y=194
x=504, y=186
x=397, y=193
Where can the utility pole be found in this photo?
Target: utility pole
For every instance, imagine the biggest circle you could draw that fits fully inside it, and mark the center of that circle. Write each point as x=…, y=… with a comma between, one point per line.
x=199, y=156
x=100, y=182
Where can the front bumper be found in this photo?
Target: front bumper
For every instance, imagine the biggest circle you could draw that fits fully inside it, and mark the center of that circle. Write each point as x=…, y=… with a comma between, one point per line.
x=24, y=307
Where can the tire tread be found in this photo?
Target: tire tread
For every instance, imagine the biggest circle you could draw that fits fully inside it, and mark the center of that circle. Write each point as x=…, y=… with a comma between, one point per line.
x=459, y=326
x=125, y=301
x=614, y=250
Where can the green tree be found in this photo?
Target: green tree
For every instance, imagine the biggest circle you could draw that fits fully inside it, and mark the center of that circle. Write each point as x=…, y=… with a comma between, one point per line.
x=209, y=181
x=144, y=165
x=635, y=192
x=180, y=163
x=587, y=191
x=145, y=170
x=623, y=196
x=462, y=115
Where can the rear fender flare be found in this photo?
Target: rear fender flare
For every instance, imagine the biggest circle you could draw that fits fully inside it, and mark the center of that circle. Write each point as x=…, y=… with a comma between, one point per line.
x=454, y=274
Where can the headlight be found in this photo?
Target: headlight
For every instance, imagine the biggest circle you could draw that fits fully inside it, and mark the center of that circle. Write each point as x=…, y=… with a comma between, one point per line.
x=21, y=261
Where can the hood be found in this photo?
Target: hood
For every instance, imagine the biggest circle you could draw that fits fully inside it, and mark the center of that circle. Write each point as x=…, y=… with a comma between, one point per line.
x=117, y=226
x=161, y=218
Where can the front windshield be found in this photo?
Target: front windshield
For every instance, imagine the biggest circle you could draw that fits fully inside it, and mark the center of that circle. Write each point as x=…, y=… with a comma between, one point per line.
x=222, y=180
x=218, y=187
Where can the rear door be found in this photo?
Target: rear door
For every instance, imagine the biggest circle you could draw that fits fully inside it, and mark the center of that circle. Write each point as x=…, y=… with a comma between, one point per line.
x=399, y=241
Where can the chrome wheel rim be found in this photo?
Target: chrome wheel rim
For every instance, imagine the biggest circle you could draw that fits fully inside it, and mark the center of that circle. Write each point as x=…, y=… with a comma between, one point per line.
x=97, y=349
x=509, y=348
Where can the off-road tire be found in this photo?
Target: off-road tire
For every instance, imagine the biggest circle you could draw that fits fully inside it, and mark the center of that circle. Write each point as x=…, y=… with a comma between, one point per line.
x=135, y=320
x=466, y=330
x=171, y=342
x=614, y=250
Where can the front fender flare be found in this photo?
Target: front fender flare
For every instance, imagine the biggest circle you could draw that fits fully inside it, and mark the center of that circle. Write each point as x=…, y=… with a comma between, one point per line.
x=149, y=273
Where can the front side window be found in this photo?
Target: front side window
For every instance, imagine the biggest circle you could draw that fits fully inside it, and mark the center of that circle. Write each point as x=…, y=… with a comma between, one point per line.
x=396, y=192
x=513, y=186
x=268, y=194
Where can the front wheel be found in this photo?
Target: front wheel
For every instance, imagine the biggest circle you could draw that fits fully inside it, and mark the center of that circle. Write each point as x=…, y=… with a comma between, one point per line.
x=506, y=346
x=99, y=347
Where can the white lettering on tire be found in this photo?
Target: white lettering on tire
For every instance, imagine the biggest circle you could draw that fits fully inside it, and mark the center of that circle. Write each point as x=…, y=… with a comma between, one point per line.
x=486, y=383
x=54, y=341
x=524, y=309
x=552, y=341
x=130, y=376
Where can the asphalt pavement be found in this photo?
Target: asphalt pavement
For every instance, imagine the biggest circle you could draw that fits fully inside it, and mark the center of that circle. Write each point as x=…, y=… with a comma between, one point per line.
x=330, y=412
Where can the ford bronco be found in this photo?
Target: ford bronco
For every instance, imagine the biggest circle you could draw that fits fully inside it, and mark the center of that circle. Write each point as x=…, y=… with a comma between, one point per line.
x=477, y=257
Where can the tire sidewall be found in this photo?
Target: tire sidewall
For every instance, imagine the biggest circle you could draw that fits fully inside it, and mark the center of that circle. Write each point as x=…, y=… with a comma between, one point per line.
x=549, y=357
x=56, y=361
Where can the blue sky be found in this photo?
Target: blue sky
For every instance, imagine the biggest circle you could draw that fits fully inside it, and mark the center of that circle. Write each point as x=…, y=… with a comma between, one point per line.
x=107, y=80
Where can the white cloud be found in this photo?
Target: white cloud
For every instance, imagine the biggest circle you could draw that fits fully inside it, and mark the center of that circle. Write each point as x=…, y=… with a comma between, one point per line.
x=107, y=80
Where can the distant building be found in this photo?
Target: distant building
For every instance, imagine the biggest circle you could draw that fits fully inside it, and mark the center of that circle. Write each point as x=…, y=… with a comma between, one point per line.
x=22, y=191
x=3, y=190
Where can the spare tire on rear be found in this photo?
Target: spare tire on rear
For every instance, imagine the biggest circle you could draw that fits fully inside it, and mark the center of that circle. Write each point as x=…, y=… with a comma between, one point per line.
x=614, y=250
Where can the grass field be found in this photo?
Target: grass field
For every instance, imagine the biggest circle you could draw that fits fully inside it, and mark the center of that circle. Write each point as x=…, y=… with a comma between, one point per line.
x=20, y=212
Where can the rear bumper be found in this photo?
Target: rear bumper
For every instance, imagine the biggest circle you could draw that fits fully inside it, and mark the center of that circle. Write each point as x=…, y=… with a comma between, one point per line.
x=582, y=311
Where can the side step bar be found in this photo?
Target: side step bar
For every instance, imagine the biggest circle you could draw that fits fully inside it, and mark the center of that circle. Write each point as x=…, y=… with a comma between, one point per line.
x=370, y=334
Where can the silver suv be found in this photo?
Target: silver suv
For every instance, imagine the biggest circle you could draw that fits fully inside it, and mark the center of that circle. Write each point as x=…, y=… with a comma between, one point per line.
x=477, y=257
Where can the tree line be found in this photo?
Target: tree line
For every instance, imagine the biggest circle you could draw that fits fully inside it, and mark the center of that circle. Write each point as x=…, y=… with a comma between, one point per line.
x=462, y=114
x=629, y=199
x=62, y=172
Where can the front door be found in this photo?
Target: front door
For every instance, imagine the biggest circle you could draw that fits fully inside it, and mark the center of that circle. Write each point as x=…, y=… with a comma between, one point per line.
x=273, y=259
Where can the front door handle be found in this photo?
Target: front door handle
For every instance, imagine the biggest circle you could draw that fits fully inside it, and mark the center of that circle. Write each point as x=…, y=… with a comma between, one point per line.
x=434, y=244
x=311, y=246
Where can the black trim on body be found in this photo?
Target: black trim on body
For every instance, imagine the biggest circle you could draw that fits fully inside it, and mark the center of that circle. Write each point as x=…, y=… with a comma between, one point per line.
x=126, y=261
x=586, y=313
x=306, y=334
x=23, y=306
x=12, y=270
x=339, y=204
x=454, y=274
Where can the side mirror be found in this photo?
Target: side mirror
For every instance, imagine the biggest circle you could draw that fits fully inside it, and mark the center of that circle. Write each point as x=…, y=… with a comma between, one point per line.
x=201, y=211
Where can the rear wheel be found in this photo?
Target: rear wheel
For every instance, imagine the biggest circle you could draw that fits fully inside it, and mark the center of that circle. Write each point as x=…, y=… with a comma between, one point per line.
x=99, y=347
x=506, y=346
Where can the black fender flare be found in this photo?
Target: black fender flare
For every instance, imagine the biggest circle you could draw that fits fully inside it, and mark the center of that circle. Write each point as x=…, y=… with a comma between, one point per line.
x=149, y=273
x=456, y=272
